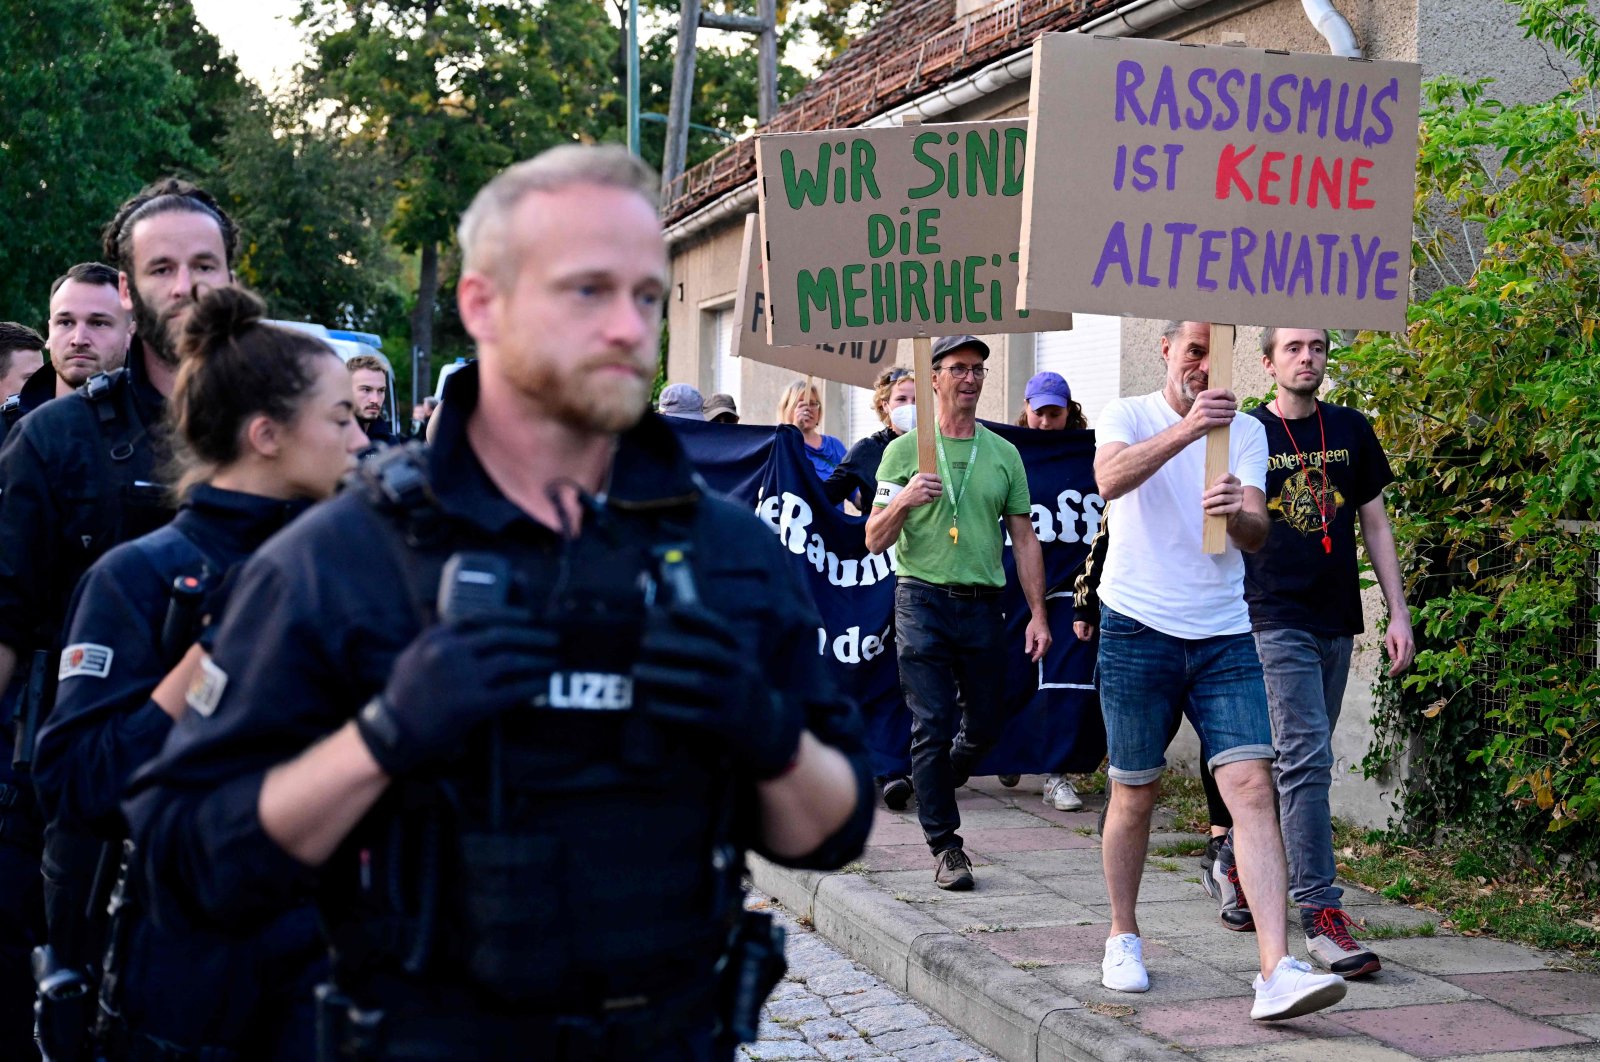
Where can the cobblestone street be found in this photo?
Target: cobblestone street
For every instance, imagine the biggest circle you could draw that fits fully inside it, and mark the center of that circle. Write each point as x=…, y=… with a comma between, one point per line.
x=828, y=1007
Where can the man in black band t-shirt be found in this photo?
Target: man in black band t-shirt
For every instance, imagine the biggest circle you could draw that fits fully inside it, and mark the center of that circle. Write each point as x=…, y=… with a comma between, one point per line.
x=1325, y=470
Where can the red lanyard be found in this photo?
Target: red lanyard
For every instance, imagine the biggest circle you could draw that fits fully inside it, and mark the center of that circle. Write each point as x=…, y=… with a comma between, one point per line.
x=1322, y=514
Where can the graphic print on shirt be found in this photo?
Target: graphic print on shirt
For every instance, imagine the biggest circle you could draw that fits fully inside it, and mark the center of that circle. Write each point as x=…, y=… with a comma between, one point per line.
x=1306, y=496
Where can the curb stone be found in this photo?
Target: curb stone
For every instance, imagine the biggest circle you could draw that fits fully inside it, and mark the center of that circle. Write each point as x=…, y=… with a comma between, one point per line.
x=1005, y=1011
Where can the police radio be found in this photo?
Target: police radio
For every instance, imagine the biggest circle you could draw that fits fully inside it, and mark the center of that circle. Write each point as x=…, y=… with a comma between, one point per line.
x=474, y=586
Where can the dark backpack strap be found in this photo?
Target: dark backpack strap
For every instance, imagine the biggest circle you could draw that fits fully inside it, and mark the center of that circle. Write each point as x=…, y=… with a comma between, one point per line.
x=416, y=530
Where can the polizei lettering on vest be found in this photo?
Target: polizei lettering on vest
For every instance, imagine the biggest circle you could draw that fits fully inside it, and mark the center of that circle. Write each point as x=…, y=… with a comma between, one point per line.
x=594, y=691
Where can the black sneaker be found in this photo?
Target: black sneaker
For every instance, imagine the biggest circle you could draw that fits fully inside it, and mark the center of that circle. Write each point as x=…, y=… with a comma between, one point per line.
x=897, y=793
x=1234, y=909
x=961, y=761
x=954, y=871
x=1208, y=861
x=1331, y=946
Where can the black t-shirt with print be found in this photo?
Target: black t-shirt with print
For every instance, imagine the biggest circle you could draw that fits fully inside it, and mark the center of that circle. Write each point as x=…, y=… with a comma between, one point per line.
x=1292, y=581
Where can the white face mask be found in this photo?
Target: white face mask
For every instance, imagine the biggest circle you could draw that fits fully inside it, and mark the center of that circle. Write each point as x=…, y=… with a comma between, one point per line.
x=904, y=418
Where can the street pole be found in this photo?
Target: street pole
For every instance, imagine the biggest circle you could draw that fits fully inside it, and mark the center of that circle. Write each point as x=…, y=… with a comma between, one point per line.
x=633, y=76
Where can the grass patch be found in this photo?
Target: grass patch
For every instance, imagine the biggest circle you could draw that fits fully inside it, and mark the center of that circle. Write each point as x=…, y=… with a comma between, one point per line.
x=1194, y=847
x=1083, y=831
x=1165, y=864
x=1185, y=798
x=1479, y=890
x=855, y=868
x=1396, y=930
x=992, y=927
x=1027, y=964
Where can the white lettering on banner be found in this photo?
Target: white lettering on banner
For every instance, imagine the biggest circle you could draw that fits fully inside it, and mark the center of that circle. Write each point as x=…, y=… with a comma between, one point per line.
x=851, y=648
x=790, y=517
x=1071, y=508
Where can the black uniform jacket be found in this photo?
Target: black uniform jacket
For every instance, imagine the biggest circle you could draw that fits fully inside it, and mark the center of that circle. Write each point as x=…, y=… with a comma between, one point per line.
x=319, y=614
x=39, y=389
x=60, y=508
x=104, y=724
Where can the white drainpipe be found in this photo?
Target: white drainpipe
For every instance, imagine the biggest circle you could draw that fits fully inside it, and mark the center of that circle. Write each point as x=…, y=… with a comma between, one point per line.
x=1333, y=27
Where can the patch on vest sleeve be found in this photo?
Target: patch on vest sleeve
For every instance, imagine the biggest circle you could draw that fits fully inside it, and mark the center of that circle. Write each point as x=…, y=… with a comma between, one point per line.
x=205, y=690
x=886, y=492
x=85, y=658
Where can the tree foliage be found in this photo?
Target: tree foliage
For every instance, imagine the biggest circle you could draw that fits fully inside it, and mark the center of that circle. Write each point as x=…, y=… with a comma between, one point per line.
x=1487, y=406
x=89, y=116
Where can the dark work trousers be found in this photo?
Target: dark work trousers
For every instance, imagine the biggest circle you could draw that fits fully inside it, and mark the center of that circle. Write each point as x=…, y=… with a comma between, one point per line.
x=951, y=652
x=21, y=912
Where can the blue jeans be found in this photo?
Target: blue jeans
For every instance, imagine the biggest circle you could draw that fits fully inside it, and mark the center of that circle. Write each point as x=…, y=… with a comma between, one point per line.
x=1147, y=678
x=1306, y=676
x=952, y=665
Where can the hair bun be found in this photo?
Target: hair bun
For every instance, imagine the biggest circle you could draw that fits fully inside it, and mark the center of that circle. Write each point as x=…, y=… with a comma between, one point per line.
x=220, y=315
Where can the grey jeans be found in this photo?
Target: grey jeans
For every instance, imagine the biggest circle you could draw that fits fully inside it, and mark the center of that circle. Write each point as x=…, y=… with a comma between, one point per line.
x=1305, y=675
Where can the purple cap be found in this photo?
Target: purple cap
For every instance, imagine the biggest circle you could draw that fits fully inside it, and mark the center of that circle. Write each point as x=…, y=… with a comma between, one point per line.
x=1048, y=389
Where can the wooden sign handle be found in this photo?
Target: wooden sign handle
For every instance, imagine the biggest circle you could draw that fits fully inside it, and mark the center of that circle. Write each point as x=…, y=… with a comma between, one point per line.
x=922, y=362
x=1214, y=538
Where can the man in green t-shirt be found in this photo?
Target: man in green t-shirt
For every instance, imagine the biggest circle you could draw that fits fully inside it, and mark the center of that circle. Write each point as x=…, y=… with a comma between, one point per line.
x=949, y=629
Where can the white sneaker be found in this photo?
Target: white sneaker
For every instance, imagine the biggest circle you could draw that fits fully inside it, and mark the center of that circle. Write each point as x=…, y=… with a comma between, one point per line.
x=1292, y=990
x=1066, y=798
x=1050, y=784
x=1122, y=970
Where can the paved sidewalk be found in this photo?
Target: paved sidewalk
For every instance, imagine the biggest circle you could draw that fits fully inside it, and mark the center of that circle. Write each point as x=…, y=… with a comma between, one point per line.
x=828, y=1007
x=1016, y=964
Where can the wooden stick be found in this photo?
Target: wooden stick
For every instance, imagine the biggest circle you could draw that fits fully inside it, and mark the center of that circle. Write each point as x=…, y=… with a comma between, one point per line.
x=1214, y=538
x=922, y=360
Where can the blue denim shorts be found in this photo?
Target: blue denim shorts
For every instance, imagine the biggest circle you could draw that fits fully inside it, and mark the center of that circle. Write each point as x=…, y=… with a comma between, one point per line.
x=1146, y=678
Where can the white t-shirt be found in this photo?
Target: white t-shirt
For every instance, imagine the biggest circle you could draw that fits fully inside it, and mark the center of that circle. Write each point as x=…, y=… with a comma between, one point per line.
x=1156, y=571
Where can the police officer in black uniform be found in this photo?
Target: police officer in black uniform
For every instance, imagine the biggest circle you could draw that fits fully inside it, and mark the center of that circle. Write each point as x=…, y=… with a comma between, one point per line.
x=78, y=476
x=525, y=804
x=263, y=424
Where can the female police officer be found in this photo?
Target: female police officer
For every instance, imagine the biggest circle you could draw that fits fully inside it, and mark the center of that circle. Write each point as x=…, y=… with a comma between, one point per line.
x=264, y=425
x=524, y=703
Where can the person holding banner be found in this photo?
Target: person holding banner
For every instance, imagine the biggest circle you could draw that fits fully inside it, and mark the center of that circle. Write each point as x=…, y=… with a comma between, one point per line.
x=1175, y=637
x=948, y=625
x=801, y=405
x=1047, y=405
x=1325, y=470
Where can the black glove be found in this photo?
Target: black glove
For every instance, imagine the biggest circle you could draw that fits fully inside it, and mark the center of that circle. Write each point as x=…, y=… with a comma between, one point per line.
x=691, y=671
x=450, y=678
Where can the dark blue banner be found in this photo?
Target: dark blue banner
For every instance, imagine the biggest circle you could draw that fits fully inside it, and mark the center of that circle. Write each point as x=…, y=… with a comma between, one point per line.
x=1055, y=717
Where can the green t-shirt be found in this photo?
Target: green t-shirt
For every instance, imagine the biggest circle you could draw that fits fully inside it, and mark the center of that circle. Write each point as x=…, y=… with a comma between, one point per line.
x=999, y=487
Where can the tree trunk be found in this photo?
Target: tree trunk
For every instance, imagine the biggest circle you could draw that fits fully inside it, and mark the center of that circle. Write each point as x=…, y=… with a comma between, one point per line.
x=422, y=323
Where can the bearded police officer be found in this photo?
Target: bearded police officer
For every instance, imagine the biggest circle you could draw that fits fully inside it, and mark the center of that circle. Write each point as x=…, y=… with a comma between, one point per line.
x=79, y=475
x=525, y=805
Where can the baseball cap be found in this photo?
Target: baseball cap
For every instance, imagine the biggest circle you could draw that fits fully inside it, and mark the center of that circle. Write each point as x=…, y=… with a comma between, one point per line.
x=950, y=344
x=719, y=404
x=682, y=400
x=1047, y=389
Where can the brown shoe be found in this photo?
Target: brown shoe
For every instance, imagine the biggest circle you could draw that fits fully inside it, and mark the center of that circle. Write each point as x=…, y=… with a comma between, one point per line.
x=954, y=871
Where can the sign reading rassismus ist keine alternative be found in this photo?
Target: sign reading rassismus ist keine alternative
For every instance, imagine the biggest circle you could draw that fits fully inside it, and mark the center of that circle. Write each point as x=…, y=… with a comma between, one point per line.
x=1219, y=183
x=894, y=232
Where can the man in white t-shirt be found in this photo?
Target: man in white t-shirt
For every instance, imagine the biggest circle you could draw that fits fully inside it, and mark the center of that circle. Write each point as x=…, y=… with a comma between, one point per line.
x=1175, y=637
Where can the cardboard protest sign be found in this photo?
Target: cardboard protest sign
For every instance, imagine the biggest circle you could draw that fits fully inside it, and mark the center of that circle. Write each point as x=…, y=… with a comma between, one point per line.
x=1219, y=184
x=855, y=361
x=896, y=232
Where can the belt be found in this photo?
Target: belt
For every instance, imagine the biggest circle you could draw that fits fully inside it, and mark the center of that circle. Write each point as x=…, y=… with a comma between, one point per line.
x=955, y=589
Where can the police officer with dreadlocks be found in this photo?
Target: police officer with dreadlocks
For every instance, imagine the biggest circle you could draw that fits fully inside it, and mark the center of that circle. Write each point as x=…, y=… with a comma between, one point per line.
x=525, y=804
x=77, y=476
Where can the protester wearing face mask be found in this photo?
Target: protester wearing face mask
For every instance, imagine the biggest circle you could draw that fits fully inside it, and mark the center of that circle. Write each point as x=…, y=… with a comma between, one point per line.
x=894, y=399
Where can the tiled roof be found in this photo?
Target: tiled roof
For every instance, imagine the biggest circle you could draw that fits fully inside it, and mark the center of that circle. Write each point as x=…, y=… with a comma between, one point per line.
x=917, y=46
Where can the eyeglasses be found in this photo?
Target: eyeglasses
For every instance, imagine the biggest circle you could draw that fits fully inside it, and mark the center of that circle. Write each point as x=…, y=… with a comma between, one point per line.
x=961, y=372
